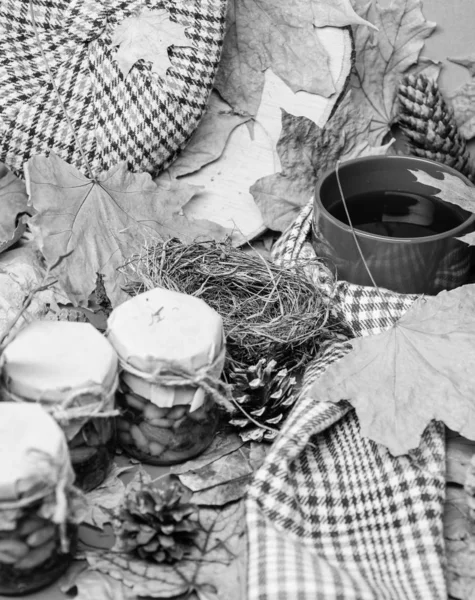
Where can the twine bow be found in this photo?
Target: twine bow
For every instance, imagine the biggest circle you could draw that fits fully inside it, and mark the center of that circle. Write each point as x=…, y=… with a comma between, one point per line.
x=171, y=374
x=65, y=411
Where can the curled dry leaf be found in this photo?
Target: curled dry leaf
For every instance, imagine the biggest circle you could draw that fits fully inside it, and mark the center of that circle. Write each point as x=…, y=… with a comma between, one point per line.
x=148, y=36
x=13, y=202
x=383, y=56
x=212, y=566
x=463, y=99
x=419, y=370
x=104, y=221
x=306, y=151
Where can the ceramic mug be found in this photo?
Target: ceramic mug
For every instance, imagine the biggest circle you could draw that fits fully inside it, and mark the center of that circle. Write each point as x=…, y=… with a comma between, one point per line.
x=406, y=237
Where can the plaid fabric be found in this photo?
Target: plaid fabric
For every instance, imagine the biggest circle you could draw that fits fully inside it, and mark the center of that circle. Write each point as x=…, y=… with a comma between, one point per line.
x=140, y=119
x=332, y=515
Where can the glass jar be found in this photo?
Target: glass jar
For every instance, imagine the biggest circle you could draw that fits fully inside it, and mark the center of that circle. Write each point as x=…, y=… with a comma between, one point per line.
x=38, y=506
x=167, y=342
x=72, y=371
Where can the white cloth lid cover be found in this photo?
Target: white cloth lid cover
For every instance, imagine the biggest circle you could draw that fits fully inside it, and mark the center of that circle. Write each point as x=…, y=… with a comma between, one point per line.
x=48, y=359
x=27, y=433
x=160, y=326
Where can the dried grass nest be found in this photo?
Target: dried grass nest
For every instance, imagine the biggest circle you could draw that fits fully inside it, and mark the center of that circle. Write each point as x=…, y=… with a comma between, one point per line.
x=268, y=311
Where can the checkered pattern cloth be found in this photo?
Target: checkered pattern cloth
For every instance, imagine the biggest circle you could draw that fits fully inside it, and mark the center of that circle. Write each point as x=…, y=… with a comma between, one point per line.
x=139, y=118
x=332, y=515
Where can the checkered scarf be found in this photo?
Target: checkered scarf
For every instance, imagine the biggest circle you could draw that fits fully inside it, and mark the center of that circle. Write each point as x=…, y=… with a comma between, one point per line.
x=332, y=515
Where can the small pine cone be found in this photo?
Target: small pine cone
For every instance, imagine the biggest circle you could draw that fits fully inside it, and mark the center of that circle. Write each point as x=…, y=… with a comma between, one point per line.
x=267, y=394
x=156, y=523
x=429, y=125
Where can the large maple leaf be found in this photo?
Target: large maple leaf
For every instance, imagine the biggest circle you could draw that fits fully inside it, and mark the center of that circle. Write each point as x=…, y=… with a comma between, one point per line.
x=278, y=35
x=104, y=221
x=422, y=368
x=148, y=36
x=383, y=55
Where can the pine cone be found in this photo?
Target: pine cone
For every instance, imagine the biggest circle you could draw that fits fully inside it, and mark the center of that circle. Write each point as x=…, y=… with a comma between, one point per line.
x=156, y=523
x=266, y=393
x=429, y=125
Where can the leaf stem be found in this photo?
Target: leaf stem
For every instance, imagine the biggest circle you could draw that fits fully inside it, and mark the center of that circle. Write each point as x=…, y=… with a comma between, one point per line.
x=55, y=87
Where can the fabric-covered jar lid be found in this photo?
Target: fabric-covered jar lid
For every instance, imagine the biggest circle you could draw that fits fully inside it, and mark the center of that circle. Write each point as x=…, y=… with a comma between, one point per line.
x=34, y=458
x=162, y=327
x=49, y=360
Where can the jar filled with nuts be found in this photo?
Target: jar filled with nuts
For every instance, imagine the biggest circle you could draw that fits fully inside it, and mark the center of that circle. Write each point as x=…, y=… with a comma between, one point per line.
x=72, y=371
x=38, y=506
x=171, y=352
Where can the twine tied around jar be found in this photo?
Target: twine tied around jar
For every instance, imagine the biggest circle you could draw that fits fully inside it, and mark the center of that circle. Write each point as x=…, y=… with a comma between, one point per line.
x=65, y=412
x=172, y=374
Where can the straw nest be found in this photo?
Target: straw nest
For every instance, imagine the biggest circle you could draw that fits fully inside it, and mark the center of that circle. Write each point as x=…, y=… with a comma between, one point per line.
x=268, y=311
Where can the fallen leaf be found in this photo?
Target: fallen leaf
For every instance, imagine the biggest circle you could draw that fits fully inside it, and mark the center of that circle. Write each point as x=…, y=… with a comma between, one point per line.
x=212, y=567
x=93, y=585
x=104, y=221
x=223, y=444
x=418, y=370
x=467, y=61
x=275, y=35
x=20, y=271
x=13, y=202
x=306, y=151
x=106, y=496
x=456, y=522
x=459, y=570
x=453, y=189
x=148, y=36
x=383, y=56
x=208, y=141
x=459, y=452
x=463, y=99
x=226, y=479
x=336, y=13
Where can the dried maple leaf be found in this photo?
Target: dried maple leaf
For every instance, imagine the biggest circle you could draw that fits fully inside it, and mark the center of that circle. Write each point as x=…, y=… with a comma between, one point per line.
x=463, y=99
x=418, y=370
x=450, y=189
x=13, y=202
x=306, y=151
x=148, y=36
x=212, y=567
x=277, y=35
x=383, y=56
x=104, y=221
